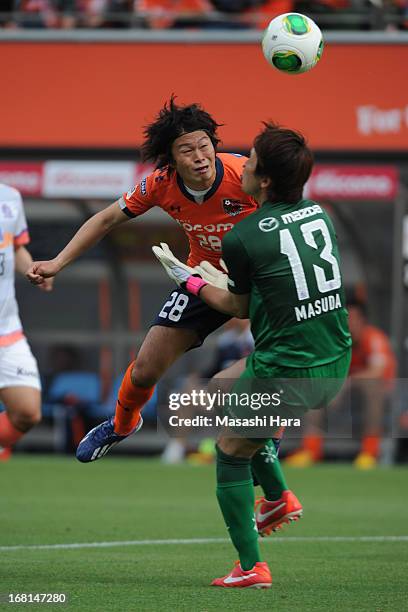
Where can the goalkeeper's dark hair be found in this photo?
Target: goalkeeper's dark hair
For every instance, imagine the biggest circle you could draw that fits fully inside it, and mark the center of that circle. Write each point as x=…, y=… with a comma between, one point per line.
x=284, y=157
x=171, y=122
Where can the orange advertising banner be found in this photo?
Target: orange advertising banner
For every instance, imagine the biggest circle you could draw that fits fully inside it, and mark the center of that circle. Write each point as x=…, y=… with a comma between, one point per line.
x=102, y=94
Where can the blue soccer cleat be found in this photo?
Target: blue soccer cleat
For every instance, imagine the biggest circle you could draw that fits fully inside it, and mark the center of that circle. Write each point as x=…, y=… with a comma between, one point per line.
x=100, y=440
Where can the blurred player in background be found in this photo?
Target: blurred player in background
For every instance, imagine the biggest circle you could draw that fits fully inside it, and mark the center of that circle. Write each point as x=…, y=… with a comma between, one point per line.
x=284, y=273
x=202, y=191
x=371, y=382
x=372, y=376
x=234, y=343
x=20, y=387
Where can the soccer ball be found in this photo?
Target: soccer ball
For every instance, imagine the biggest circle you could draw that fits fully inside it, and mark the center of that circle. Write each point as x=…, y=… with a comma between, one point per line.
x=292, y=43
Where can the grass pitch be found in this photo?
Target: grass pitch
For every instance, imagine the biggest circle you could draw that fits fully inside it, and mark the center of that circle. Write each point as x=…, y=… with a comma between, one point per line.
x=57, y=501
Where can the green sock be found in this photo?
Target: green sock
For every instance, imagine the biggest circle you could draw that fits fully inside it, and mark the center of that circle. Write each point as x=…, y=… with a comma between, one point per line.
x=268, y=472
x=236, y=497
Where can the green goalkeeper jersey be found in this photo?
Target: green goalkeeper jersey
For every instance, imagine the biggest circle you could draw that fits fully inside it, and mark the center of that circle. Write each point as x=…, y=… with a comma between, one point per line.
x=286, y=257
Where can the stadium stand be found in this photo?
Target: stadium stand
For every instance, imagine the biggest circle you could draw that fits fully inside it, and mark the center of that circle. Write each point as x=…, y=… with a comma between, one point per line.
x=200, y=14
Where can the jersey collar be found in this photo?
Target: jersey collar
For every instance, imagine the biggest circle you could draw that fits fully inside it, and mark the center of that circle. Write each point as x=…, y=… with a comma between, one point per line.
x=219, y=175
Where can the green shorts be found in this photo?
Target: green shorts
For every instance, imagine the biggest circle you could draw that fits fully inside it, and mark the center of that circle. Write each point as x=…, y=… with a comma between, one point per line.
x=260, y=406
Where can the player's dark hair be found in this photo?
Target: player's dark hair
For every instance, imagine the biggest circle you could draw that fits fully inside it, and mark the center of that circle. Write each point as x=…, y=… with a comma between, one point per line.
x=171, y=122
x=284, y=157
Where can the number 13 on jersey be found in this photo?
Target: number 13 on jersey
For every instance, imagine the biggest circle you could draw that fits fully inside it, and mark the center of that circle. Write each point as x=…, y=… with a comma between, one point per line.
x=328, y=278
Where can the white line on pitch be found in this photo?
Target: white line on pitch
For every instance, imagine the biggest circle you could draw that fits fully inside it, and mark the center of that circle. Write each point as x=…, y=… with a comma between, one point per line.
x=286, y=540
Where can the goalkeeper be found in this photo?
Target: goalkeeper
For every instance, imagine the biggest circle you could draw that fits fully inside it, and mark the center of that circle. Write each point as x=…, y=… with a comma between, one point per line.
x=283, y=272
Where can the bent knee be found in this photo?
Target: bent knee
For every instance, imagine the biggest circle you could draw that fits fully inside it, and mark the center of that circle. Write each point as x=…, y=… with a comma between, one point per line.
x=220, y=382
x=26, y=419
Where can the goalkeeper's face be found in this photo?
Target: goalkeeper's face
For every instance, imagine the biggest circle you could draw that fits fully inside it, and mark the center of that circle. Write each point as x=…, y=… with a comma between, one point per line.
x=250, y=181
x=194, y=159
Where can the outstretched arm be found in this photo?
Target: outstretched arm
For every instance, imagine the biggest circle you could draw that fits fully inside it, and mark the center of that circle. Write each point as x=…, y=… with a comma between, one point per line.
x=89, y=234
x=23, y=261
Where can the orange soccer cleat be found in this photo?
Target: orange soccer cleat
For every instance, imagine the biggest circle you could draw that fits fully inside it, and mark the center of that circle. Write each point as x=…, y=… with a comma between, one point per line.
x=259, y=577
x=271, y=515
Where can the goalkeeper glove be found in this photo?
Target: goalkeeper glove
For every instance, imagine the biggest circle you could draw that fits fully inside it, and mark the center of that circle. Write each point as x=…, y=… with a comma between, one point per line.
x=176, y=270
x=212, y=276
x=184, y=276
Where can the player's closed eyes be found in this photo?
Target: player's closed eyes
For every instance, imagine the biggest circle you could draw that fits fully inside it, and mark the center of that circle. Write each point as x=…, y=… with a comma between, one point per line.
x=188, y=151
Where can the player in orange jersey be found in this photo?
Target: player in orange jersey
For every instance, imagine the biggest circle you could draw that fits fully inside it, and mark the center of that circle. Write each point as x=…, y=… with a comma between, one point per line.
x=372, y=373
x=201, y=190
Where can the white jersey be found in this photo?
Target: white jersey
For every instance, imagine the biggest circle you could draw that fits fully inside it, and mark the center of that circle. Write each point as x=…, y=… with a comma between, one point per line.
x=13, y=233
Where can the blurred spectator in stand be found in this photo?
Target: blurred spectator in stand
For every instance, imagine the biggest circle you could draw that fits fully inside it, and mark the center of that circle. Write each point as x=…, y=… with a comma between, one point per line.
x=104, y=13
x=370, y=385
x=233, y=344
x=248, y=13
x=91, y=13
x=162, y=14
x=120, y=14
x=45, y=13
x=260, y=13
x=66, y=14
x=401, y=7
x=72, y=396
x=7, y=14
x=61, y=358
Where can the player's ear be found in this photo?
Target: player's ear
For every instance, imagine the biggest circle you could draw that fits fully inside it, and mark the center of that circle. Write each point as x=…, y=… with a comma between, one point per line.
x=266, y=182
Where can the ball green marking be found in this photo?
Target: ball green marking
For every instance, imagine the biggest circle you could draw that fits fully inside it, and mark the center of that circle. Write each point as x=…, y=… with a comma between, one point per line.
x=287, y=61
x=296, y=24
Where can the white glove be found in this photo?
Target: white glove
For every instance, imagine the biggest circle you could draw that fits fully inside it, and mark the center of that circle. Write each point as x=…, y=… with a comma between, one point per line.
x=176, y=270
x=212, y=276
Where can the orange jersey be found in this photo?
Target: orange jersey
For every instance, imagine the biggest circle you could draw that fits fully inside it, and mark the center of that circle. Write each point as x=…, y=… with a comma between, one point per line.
x=374, y=348
x=205, y=224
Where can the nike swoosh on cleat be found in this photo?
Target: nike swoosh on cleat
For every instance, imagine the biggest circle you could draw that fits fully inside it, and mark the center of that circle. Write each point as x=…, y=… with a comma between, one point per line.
x=234, y=579
x=261, y=517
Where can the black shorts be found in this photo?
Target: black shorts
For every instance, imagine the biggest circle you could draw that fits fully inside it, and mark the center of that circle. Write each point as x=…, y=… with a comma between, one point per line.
x=184, y=310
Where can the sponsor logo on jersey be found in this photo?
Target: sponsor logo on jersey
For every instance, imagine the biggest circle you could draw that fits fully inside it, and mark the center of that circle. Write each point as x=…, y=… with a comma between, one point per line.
x=143, y=189
x=268, y=224
x=318, y=307
x=232, y=207
x=197, y=227
x=298, y=215
x=6, y=211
